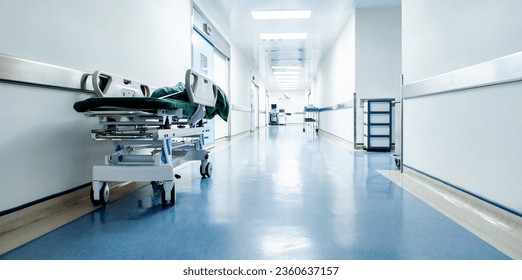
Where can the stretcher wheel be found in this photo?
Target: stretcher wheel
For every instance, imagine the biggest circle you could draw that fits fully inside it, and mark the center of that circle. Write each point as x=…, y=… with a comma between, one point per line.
x=104, y=195
x=206, y=171
x=398, y=163
x=172, y=201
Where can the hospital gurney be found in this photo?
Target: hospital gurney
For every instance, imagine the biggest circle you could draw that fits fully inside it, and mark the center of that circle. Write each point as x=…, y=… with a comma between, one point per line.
x=152, y=132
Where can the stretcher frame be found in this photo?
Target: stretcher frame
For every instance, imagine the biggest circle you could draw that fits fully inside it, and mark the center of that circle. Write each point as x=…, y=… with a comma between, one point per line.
x=149, y=144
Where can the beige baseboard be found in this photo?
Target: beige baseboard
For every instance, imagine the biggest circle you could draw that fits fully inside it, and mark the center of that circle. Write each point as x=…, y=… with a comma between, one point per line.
x=496, y=226
x=24, y=225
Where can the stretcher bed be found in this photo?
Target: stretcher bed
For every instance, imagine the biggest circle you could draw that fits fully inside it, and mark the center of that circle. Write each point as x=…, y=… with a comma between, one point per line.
x=152, y=132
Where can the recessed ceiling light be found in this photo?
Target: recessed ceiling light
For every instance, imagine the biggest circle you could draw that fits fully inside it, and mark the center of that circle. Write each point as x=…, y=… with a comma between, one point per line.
x=278, y=74
x=282, y=36
x=281, y=14
x=286, y=67
x=286, y=78
x=286, y=72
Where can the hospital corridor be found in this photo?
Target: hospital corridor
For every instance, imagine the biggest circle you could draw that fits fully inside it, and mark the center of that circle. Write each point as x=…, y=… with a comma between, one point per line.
x=264, y=130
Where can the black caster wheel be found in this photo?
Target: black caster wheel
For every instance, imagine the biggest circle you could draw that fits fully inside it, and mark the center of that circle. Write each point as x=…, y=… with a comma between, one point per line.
x=206, y=171
x=104, y=195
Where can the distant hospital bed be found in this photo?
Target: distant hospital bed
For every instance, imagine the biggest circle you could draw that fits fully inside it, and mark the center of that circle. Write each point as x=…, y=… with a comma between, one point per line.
x=152, y=132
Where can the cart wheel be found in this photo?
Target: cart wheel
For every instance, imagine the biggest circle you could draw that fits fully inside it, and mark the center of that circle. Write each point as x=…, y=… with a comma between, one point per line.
x=398, y=163
x=206, y=171
x=172, y=201
x=104, y=195
x=304, y=130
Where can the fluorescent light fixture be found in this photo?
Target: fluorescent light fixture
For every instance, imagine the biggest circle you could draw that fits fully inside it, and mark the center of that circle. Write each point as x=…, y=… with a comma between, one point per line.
x=283, y=36
x=286, y=67
x=281, y=14
x=286, y=72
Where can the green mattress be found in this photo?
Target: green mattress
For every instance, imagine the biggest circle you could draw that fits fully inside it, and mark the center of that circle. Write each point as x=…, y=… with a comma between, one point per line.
x=180, y=100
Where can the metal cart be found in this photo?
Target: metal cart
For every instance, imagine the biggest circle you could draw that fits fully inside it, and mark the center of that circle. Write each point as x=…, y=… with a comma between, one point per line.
x=311, y=118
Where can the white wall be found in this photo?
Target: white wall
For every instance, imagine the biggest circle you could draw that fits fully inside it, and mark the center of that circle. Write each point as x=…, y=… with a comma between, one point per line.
x=112, y=35
x=336, y=83
x=240, y=91
x=46, y=148
x=470, y=139
x=378, y=52
x=447, y=35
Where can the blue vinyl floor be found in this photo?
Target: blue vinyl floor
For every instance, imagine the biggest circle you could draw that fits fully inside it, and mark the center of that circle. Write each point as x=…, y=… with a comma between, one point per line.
x=279, y=194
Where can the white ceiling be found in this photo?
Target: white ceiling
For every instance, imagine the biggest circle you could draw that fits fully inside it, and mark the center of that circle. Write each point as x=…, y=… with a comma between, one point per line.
x=327, y=20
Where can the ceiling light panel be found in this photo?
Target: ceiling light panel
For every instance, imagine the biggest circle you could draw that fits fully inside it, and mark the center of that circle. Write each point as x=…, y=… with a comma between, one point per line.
x=284, y=78
x=286, y=67
x=286, y=72
x=281, y=14
x=287, y=80
x=283, y=36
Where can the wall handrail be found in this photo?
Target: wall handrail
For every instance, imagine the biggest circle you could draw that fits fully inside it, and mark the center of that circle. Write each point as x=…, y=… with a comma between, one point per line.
x=241, y=108
x=339, y=106
x=507, y=69
x=27, y=72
